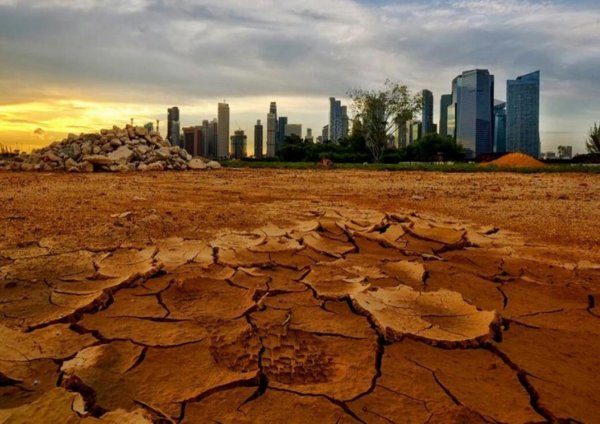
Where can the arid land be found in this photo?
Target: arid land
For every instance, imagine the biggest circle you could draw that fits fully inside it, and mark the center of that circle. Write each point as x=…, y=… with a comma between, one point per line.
x=241, y=296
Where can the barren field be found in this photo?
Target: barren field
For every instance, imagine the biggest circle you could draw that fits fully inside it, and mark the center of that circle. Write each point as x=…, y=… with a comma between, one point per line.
x=242, y=296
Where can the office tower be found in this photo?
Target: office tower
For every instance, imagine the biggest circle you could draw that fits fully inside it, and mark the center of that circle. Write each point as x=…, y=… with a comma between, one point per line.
x=223, y=131
x=338, y=120
x=415, y=131
x=473, y=97
x=238, y=144
x=193, y=140
x=211, y=138
x=273, y=110
x=258, y=140
x=325, y=134
x=293, y=129
x=271, y=134
x=309, y=136
x=445, y=102
x=427, y=112
x=499, y=126
x=173, y=129
x=345, y=123
x=401, y=137
x=523, y=114
x=205, y=139
x=281, y=131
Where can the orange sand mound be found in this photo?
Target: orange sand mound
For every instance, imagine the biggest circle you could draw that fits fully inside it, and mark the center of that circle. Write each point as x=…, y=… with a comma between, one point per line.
x=516, y=160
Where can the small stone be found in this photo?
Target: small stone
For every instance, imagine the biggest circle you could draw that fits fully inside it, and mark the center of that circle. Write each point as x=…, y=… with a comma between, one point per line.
x=156, y=166
x=140, y=131
x=115, y=142
x=213, y=165
x=98, y=160
x=196, y=164
x=71, y=165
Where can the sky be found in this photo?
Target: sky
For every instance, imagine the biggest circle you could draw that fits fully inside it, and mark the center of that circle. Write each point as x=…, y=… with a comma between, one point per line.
x=82, y=65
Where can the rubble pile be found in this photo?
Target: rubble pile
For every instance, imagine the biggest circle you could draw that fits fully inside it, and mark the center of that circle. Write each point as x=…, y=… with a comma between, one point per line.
x=116, y=150
x=516, y=160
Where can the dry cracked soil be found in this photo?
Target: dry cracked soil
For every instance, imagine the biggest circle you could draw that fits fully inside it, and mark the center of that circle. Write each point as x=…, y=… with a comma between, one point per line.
x=299, y=296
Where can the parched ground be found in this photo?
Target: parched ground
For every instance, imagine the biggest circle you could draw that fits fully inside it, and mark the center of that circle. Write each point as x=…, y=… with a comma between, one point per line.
x=244, y=296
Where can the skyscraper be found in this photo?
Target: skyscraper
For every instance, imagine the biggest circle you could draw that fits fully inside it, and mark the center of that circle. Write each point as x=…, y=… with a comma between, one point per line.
x=173, y=128
x=338, y=120
x=281, y=131
x=193, y=140
x=523, y=114
x=499, y=126
x=325, y=134
x=238, y=144
x=427, y=113
x=212, y=128
x=415, y=129
x=309, y=135
x=223, y=131
x=258, y=140
x=473, y=95
x=206, y=139
x=271, y=134
x=293, y=129
x=445, y=102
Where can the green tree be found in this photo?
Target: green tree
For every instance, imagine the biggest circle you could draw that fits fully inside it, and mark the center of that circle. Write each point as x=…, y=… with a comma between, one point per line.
x=382, y=112
x=293, y=149
x=593, y=141
x=433, y=147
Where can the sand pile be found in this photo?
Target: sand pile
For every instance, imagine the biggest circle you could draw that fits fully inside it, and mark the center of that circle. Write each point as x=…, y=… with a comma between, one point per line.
x=516, y=160
x=115, y=150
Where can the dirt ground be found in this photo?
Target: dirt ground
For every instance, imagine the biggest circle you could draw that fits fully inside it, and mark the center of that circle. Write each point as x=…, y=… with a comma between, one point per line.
x=267, y=296
x=562, y=209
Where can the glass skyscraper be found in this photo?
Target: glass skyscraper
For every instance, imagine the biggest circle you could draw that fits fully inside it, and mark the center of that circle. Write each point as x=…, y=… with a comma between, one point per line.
x=500, y=127
x=523, y=114
x=427, y=113
x=445, y=102
x=473, y=95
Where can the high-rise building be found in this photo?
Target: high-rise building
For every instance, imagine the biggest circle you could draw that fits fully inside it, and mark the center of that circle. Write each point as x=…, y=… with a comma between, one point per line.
x=293, y=129
x=473, y=96
x=173, y=128
x=499, y=126
x=325, y=134
x=445, y=102
x=427, y=112
x=338, y=120
x=223, y=131
x=238, y=144
x=415, y=131
x=309, y=136
x=258, y=140
x=271, y=134
x=193, y=140
x=210, y=130
x=281, y=131
x=523, y=114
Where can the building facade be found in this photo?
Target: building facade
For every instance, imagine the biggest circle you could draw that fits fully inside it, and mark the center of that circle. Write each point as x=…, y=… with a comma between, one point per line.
x=258, y=140
x=325, y=134
x=173, y=126
x=338, y=120
x=193, y=140
x=473, y=97
x=500, y=127
x=427, y=113
x=445, y=102
x=309, y=135
x=223, y=131
x=239, y=142
x=271, y=135
x=293, y=129
x=415, y=131
x=281, y=124
x=523, y=114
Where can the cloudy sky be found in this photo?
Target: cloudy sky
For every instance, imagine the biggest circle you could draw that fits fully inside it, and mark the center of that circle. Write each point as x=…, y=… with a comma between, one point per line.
x=80, y=65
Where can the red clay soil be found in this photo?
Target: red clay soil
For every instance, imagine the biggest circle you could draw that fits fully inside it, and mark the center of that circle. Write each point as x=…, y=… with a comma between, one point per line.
x=262, y=297
x=516, y=160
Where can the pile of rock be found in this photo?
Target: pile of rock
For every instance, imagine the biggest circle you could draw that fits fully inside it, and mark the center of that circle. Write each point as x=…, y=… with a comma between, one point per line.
x=116, y=150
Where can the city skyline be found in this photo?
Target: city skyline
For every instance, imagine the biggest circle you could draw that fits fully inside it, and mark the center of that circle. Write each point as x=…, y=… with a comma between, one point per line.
x=58, y=83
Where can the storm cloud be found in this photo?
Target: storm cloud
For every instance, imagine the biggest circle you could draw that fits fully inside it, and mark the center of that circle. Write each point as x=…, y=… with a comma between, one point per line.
x=194, y=52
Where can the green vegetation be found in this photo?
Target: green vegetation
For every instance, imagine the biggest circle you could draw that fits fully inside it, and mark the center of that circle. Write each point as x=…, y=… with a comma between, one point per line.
x=380, y=114
x=433, y=167
x=593, y=141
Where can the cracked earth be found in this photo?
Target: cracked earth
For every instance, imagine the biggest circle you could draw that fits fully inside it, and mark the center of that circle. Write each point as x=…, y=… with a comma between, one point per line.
x=346, y=315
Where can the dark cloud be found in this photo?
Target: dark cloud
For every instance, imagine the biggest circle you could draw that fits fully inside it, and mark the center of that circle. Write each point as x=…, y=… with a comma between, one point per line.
x=178, y=52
